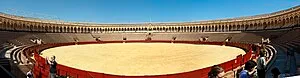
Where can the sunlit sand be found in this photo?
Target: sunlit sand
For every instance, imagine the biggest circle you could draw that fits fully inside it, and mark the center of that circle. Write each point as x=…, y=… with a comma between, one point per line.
x=138, y=59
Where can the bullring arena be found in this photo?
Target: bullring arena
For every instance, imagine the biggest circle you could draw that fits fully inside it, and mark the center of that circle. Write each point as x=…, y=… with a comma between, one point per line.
x=139, y=59
x=149, y=50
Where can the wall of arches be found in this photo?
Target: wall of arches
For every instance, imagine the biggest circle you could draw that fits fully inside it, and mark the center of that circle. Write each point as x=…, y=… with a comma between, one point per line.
x=282, y=19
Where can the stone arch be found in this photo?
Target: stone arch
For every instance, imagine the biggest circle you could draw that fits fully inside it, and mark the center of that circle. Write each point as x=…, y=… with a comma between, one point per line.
x=31, y=27
x=181, y=28
x=73, y=28
x=201, y=28
x=210, y=28
x=9, y=26
x=215, y=28
x=292, y=20
x=297, y=19
x=154, y=28
x=276, y=23
x=76, y=29
x=229, y=27
x=196, y=29
x=254, y=26
x=178, y=29
x=206, y=28
x=267, y=25
x=37, y=27
x=117, y=29
x=23, y=27
x=222, y=28
x=4, y=24
x=272, y=24
x=238, y=27
x=15, y=26
x=85, y=29
x=189, y=29
x=172, y=28
x=264, y=24
x=46, y=28
x=51, y=28
x=68, y=29
x=40, y=27
x=233, y=27
x=90, y=30
x=1, y=25
x=80, y=29
x=60, y=29
x=245, y=26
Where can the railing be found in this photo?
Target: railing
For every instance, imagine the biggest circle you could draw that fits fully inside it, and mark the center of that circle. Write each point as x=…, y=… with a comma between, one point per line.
x=41, y=69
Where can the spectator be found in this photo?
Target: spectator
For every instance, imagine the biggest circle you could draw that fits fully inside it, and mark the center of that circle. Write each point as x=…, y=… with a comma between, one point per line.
x=29, y=74
x=38, y=41
x=248, y=69
x=205, y=39
x=265, y=41
x=276, y=73
x=53, y=64
x=76, y=40
x=216, y=72
x=261, y=64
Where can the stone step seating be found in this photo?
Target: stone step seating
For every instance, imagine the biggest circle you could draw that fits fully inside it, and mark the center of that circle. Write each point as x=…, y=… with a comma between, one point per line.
x=269, y=52
x=44, y=37
x=6, y=35
x=83, y=37
x=295, y=46
x=246, y=37
x=16, y=42
x=272, y=58
x=281, y=60
x=15, y=55
x=288, y=37
x=5, y=72
x=3, y=50
x=291, y=61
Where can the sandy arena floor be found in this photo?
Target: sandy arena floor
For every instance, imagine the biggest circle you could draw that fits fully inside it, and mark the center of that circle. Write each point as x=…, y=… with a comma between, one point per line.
x=136, y=59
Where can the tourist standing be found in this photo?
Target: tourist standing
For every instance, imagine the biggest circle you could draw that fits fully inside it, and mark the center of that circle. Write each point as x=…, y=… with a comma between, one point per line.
x=52, y=64
x=248, y=69
x=261, y=64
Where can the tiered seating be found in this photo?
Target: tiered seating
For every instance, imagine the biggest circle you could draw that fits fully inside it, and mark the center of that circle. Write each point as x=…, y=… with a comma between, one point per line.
x=44, y=37
x=84, y=37
x=246, y=37
x=3, y=49
x=6, y=35
x=284, y=41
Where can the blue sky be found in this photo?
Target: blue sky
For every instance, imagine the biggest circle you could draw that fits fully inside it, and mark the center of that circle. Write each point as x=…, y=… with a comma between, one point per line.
x=137, y=11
